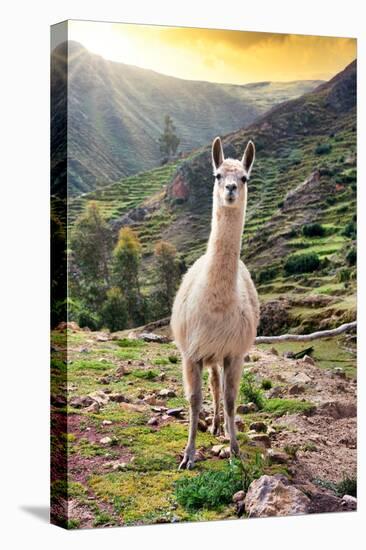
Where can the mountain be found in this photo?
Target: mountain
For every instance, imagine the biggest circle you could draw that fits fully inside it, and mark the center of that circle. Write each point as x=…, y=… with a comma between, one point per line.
x=116, y=113
x=305, y=173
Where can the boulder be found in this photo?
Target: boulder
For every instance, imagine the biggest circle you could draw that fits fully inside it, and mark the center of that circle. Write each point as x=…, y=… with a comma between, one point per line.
x=151, y=337
x=309, y=360
x=167, y=393
x=247, y=408
x=215, y=450
x=80, y=402
x=260, y=439
x=270, y=496
x=175, y=412
x=300, y=378
x=153, y=421
x=258, y=426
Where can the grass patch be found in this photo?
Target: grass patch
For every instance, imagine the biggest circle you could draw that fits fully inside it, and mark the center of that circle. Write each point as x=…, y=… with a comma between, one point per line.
x=250, y=392
x=127, y=343
x=145, y=374
x=280, y=407
x=347, y=486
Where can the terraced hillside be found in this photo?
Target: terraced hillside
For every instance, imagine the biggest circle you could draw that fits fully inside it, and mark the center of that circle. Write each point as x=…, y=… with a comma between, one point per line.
x=116, y=114
x=305, y=174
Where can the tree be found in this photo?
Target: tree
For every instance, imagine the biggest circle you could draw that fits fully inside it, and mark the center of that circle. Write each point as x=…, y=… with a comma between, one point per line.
x=114, y=310
x=168, y=141
x=88, y=259
x=168, y=274
x=125, y=266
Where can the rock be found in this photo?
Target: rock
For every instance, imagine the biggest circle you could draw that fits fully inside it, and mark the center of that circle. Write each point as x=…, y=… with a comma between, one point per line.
x=337, y=410
x=202, y=426
x=100, y=397
x=177, y=413
x=288, y=354
x=119, y=398
x=162, y=376
x=247, y=408
x=350, y=501
x=225, y=452
x=215, y=450
x=159, y=409
x=107, y=422
x=119, y=466
x=275, y=392
x=277, y=457
x=338, y=371
x=108, y=441
x=238, y=496
x=153, y=421
x=260, y=439
x=309, y=360
x=300, y=378
x=258, y=426
x=150, y=400
x=151, y=337
x=239, y=423
x=199, y=455
x=274, y=351
x=103, y=337
x=59, y=401
x=94, y=408
x=80, y=402
x=167, y=393
x=269, y=496
x=296, y=389
x=121, y=371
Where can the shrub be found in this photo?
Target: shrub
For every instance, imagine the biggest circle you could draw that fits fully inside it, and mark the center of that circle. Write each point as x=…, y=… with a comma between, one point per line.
x=350, y=230
x=313, y=230
x=344, y=275
x=323, y=149
x=250, y=392
x=173, y=358
x=351, y=257
x=213, y=490
x=266, y=384
x=267, y=274
x=302, y=263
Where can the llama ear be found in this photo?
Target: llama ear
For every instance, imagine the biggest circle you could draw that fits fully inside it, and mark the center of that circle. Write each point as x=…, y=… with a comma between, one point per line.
x=248, y=157
x=217, y=153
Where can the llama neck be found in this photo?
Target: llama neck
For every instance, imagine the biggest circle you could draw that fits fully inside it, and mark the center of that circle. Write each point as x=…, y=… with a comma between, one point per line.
x=224, y=245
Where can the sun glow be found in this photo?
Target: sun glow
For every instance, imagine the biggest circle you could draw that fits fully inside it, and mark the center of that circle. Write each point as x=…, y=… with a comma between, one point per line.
x=216, y=55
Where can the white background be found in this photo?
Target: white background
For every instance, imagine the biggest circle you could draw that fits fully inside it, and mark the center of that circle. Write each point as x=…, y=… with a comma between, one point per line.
x=24, y=208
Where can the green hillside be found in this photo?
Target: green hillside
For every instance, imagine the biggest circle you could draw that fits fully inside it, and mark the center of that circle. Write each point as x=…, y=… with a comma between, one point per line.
x=116, y=113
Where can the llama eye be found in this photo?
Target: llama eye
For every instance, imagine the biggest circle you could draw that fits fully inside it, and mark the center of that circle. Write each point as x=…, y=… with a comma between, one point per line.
x=218, y=176
x=244, y=179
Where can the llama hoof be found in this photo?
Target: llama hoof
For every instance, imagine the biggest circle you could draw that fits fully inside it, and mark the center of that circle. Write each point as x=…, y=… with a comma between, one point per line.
x=186, y=464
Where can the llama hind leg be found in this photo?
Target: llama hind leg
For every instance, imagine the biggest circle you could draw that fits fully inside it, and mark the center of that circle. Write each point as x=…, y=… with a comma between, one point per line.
x=231, y=377
x=192, y=372
x=214, y=379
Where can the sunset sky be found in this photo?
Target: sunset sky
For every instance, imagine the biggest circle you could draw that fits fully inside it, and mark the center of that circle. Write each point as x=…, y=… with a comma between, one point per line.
x=236, y=57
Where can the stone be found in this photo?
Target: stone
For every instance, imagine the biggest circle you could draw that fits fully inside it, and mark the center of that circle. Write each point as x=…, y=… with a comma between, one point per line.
x=277, y=457
x=270, y=496
x=199, y=455
x=162, y=376
x=337, y=409
x=102, y=337
x=239, y=423
x=119, y=466
x=258, y=426
x=296, y=389
x=107, y=440
x=309, y=360
x=177, y=413
x=121, y=371
x=238, y=496
x=225, y=452
x=215, y=450
x=167, y=393
x=100, y=397
x=288, y=354
x=94, y=408
x=350, y=501
x=159, y=409
x=202, y=426
x=300, y=378
x=80, y=402
x=260, y=439
x=107, y=422
x=119, y=398
x=247, y=408
x=150, y=399
x=153, y=421
x=338, y=371
x=275, y=392
x=151, y=337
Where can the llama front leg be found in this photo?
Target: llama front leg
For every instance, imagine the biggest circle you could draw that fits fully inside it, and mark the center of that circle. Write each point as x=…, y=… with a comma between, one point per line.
x=232, y=374
x=192, y=373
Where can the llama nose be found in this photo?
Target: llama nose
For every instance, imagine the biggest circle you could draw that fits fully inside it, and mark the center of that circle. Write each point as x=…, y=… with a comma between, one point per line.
x=231, y=187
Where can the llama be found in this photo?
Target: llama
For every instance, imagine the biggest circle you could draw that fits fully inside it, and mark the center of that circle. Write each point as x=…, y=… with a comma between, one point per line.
x=216, y=311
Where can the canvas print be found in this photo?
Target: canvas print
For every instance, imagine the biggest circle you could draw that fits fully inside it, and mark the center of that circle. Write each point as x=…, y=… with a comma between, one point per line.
x=203, y=247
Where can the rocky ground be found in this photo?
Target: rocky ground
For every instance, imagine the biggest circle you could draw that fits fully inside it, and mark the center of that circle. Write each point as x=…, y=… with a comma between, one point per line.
x=126, y=429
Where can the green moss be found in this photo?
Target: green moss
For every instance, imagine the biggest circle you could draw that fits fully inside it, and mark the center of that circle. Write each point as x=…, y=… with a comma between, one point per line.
x=282, y=406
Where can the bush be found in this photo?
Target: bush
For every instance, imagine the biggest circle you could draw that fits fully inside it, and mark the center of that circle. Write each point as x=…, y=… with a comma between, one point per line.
x=350, y=230
x=351, y=257
x=267, y=275
x=302, y=263
x=313, y=230
x=344, y=275
x=323, y=149
x=266, y=384
x=213, y=490
x=250, y=392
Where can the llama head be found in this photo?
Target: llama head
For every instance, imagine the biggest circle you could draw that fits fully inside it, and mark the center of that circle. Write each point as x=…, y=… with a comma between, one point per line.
x=231, y=176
